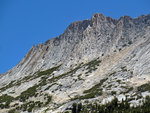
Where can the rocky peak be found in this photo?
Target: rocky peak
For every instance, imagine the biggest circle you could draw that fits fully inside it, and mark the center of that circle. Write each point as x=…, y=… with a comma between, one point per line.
x=79, y=25
x=98, y=16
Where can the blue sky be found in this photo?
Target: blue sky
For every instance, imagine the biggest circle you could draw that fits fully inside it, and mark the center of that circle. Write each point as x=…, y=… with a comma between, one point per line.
x=27, y=22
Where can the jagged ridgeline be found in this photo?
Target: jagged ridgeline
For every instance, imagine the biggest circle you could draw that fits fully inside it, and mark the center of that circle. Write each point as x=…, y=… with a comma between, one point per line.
x=99, y=65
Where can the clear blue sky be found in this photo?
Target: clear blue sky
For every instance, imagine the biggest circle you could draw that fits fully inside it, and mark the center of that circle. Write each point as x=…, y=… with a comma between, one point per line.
x=27, y=22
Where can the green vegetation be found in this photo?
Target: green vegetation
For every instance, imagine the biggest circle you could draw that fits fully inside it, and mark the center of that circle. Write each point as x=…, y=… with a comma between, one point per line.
x=112, y=73
x=12, y=111
x=45, y=74
x=130, y=42
x=29, y=106
x=5, y=101
x=7, y=86
x=49, y=98
x=31, y=77
x=79, y=77
x=125, y=87
x=46, y=110
x=92, y=65
x=27, y=93
x=70, y=73
x=94, y=88
x=6, y=98
x=119, y=81
x=113, y=92
x=30, y=92
x=124, y=68
x=144, y=87
x=25, y=79
x=129, y=89
x=124, y=45
x=112, y=107
x=92, y=92
x=48, y=71
x=49, y=86
x=109, y=86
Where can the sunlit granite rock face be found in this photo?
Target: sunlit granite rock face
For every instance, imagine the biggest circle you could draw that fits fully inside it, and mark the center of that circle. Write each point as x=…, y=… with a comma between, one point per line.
x=87, y=52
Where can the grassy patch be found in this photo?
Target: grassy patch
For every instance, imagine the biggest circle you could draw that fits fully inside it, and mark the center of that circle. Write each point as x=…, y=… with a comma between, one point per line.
x=27, y=93
x=31, y=77
x=114, y=106
x=109, y=86
x=113, y=92
x=49, y=98
x=12, y=111
x=144, y=87
x=48, y=71
x=70, y=73
x=119, y=81
x=49, y=86
x=124, y=68
x=125, y=87
x=92, y=92
x=32, y=91
x=112, y=73
x=6, y=98
x=92, y=65
x=79, y=77
x=130, y=42
x=129, y=89
x=11, y=84
x=91, y=95
x=96, y=87
x=29, y=106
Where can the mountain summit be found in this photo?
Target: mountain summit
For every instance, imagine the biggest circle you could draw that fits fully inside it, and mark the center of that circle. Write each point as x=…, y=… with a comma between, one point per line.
x=94, y=60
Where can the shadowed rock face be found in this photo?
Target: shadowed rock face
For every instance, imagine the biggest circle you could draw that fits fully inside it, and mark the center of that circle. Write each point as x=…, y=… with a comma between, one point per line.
x=119, y=44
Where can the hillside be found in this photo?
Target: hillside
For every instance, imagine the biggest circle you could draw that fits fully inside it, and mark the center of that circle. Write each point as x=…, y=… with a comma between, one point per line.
x=94, y=60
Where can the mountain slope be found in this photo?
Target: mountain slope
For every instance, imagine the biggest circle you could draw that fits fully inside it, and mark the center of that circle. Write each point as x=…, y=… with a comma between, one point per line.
x=92, y=60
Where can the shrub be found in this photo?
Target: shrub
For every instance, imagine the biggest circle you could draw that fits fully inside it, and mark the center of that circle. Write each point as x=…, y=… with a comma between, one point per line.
x=119, y=81
x=48, y=99
x=113, y=92
x=124, y=45
x=144, y=87
x=92, y=65
x=7, y=99
x=74, y=109
x=11, y=84
x=113, y=107
x=28, y=93
x=124, y=68
x=48, y=71
x=12, y=111
x=130, y=42
x=129, y=89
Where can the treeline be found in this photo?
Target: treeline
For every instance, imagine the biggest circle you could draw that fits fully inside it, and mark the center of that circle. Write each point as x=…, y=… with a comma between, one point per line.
x=112, y=107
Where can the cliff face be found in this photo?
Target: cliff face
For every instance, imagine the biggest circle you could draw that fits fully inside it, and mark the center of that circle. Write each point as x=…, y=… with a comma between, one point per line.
x=121, y=47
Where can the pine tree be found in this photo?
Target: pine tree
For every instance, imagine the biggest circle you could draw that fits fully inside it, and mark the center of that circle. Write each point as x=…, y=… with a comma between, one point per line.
x=74, y=109
x=79, y=107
